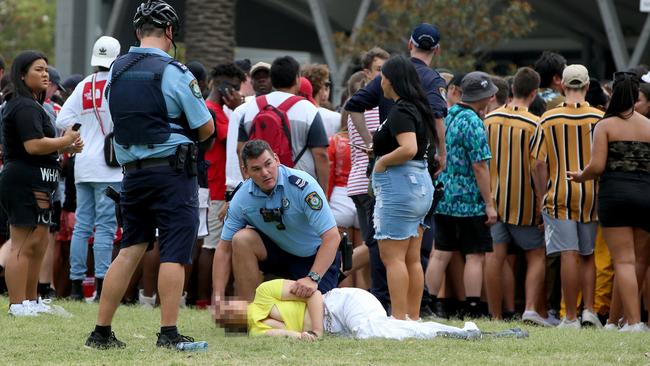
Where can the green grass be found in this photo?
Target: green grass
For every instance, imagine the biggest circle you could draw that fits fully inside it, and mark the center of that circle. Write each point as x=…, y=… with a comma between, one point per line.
x=54, y=340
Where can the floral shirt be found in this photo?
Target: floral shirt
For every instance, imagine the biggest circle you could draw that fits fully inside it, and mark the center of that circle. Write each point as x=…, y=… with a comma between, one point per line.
x=466, y=143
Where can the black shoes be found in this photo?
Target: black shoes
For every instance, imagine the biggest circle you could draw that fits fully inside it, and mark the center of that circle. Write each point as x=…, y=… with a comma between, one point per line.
x=98, y=341
x=171, y=342
x=76, y=292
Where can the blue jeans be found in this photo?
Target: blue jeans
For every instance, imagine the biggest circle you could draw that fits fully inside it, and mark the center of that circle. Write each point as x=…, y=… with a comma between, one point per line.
x=94, y=210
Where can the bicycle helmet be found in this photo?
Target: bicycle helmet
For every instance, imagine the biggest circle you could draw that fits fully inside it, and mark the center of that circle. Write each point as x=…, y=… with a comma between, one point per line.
x=158, y=13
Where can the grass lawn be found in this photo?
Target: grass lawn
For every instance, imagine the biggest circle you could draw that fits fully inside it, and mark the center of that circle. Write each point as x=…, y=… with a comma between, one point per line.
x=55, y=340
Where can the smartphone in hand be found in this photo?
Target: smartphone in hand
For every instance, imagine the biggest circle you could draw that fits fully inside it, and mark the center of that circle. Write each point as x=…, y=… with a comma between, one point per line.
x=76, y=127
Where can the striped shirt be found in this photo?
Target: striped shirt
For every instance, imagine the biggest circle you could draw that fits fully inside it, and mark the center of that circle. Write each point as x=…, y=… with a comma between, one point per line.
x=563, y=140
x=358, y=181
x=510, y=132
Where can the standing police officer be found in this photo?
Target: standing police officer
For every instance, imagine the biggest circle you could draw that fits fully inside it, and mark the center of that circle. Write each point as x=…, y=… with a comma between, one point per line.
x=291, y=231
x=159, y=116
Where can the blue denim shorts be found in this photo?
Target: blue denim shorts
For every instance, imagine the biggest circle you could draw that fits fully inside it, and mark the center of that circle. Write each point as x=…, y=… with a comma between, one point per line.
x=403, y=196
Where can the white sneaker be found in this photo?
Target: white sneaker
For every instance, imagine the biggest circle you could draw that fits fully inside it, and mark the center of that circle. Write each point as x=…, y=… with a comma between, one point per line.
x=183, y=303
x=611, y=326
x=552, y=320
x=145, y=301
x=589, y=318
x=22, y=310
x=569, y=324
x=635, y=328
x=41, y=306
x=533, y=318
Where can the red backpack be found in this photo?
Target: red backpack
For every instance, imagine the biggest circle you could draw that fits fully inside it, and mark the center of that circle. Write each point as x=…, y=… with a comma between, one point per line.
x=271, y=124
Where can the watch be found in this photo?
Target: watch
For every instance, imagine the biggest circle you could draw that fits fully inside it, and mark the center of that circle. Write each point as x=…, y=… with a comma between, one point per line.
x=314, y=276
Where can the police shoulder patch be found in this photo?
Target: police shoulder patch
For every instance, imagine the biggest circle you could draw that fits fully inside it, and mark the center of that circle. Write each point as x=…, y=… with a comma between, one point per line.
x=298, y=182
x=314, y=201
x=194, y=86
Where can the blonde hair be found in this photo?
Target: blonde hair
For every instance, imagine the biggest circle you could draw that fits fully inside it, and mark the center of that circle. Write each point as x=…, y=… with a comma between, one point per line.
x=356, y=82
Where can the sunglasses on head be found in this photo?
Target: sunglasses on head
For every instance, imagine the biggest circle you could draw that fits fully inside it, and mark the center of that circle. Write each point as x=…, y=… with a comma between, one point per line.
x=622, y=75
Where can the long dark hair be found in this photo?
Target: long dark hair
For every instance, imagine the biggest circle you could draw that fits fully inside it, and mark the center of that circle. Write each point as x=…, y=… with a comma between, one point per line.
x=19, y=68
x=402, y=75
x=625, y=93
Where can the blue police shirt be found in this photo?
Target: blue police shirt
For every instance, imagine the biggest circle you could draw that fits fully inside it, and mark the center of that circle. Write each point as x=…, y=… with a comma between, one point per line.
x=306, y=214
x=177, y=91
x=372, y=95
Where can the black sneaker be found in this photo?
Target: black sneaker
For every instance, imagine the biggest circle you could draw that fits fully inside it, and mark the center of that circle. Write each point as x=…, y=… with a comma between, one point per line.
x=439, y=310
x=96, y=340
x=169, y=342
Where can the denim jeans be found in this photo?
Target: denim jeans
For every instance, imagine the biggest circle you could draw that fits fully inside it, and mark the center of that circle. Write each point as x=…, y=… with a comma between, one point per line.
x=94, y=211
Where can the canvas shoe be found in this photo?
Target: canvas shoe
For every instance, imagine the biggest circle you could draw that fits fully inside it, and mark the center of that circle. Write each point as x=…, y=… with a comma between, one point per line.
x=533, y=318
x=589, y=318
x=98, y=341
x=22, y=310
x=569, y=324
x=635, y=328
x=611, y=326
x=145, y=301
x=552, y=318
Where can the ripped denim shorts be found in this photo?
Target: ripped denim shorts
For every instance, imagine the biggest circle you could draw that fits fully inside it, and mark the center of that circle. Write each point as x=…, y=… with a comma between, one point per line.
x=403, y=196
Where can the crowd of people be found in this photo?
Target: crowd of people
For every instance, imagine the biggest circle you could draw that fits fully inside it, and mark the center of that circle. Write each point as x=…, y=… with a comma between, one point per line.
x=462, y=194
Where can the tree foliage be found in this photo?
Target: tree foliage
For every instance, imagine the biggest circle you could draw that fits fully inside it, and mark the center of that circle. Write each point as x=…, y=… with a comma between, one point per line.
x=27, y=24
x=469, y=28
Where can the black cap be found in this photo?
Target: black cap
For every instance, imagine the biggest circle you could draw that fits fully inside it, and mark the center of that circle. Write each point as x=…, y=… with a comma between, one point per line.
x=198, y=70
x=71, y=82
x=244, y=64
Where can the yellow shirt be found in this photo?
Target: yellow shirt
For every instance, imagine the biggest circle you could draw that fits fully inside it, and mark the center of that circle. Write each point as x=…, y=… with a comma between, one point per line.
x=510, y=132
x=267, y=295
x=563, y=140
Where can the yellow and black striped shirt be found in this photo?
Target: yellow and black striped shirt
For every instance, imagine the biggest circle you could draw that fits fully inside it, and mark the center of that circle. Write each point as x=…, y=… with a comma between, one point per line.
x=563, y=140
x=510, y=132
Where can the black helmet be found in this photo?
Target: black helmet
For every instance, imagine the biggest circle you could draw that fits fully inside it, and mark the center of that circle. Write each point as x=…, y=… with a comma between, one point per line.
x=158, y=13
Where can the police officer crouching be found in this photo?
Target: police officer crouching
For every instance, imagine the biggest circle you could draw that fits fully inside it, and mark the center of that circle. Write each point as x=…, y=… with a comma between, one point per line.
x=291, y=231
x=159, y=117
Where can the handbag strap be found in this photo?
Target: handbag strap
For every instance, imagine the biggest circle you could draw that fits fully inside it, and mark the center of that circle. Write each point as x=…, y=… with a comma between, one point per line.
x=99, y=118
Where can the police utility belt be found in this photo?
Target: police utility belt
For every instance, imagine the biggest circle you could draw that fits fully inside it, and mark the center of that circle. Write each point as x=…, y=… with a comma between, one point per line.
x=185, y=158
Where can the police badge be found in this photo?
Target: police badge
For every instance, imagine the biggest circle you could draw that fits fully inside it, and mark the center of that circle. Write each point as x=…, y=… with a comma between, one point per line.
x=314, y=201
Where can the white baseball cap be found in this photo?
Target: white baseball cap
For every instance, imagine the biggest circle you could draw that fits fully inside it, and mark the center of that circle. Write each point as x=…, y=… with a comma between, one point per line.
x=105, y=51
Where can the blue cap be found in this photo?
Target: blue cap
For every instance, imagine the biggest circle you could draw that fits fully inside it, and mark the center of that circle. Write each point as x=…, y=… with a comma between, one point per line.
x=55, y=77
x=425, y=37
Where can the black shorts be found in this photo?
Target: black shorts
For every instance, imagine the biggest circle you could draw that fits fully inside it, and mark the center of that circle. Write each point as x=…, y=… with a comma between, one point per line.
x=18, y=182
x=468, y=235
x=161, y=198
x=291, y=267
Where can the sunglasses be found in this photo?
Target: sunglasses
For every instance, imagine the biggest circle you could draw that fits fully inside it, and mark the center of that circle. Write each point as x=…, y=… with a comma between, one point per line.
x=622, y=75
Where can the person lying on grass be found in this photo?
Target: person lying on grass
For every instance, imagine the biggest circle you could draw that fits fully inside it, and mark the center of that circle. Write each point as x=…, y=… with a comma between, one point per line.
x=349, y=312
